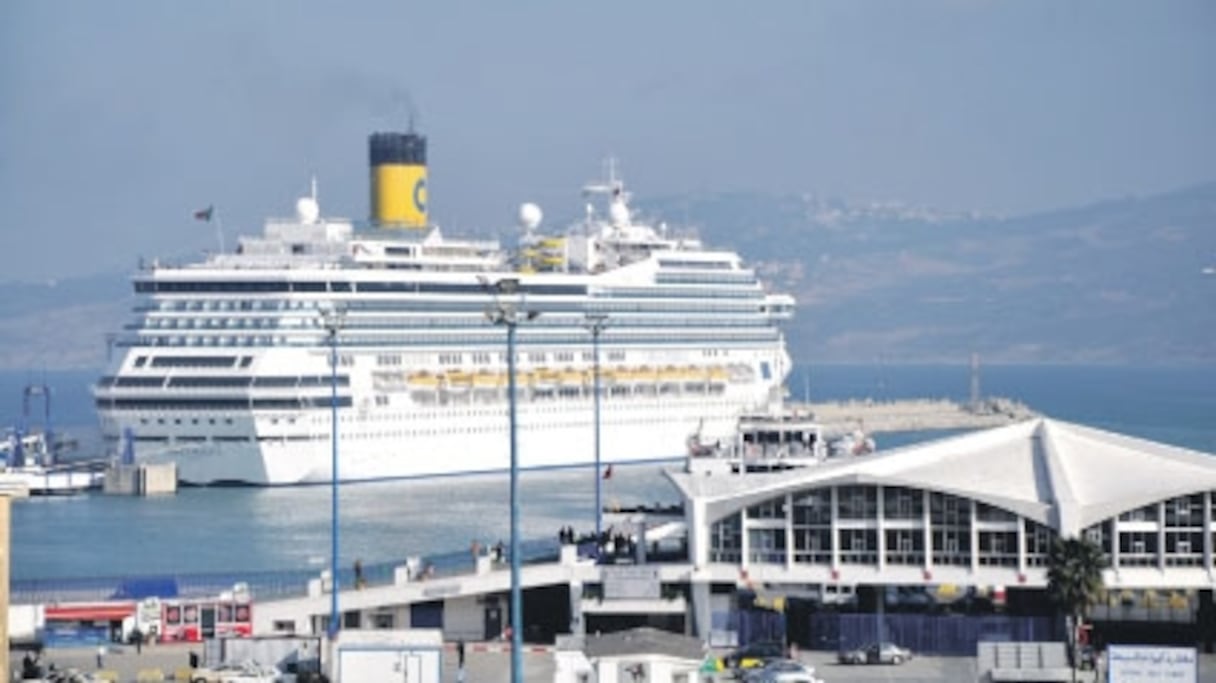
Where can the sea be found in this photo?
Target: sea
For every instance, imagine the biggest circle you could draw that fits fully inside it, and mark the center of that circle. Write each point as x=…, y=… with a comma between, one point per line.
x=288, y=528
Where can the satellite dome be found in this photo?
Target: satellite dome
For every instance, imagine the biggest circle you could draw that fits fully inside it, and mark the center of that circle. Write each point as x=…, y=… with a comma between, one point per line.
x=529, y=215
x=307, y=210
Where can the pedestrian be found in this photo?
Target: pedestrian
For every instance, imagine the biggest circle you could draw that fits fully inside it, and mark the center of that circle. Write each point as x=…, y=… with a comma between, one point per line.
x=101, y=654
x=460, y=661
x=358, y=574
x=137, y=637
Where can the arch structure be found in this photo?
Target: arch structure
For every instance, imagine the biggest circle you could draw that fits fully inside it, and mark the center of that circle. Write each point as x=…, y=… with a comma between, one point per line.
x=977, y=509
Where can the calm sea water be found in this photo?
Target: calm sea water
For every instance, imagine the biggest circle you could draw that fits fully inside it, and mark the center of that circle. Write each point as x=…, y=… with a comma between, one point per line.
x=255, y=529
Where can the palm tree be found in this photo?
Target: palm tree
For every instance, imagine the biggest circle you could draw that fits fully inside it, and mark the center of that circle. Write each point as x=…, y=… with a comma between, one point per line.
x=1074, y=582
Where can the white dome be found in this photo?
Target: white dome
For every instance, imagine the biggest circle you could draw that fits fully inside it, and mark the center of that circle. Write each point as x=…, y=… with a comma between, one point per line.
x=619, y=213
x=307, y=210
x=530, y=215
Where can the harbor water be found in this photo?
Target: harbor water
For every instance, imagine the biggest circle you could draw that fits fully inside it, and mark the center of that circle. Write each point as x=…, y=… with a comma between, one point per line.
x=251, y=529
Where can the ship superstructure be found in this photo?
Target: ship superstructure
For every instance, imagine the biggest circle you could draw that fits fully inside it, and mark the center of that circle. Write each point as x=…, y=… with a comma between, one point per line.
x=225, y=369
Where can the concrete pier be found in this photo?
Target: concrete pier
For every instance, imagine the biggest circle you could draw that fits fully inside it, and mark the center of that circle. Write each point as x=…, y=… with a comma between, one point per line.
x=141, y=480
x=914, y=415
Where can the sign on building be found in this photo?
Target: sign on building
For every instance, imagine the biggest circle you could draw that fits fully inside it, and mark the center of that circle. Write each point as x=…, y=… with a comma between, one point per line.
x=1148, y=663
x=631, y=582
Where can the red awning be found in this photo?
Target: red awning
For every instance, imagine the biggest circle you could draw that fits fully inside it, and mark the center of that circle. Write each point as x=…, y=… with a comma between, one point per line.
x=105, y=611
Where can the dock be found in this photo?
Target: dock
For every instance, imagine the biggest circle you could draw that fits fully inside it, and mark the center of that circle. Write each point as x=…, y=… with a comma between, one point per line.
x=914, y=415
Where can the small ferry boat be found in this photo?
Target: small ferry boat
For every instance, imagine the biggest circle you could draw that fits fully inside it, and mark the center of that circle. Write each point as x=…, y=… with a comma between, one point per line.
x=778, y=439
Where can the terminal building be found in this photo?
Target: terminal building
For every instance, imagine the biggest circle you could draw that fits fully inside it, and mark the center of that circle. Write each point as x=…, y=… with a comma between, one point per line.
x=937, y=545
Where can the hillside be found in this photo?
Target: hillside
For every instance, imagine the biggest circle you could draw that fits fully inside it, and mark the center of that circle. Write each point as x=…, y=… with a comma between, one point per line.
x=1118, y=282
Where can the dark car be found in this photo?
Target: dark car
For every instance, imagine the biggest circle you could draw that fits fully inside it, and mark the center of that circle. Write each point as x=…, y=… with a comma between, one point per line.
x=753, y=655
x=875, y=653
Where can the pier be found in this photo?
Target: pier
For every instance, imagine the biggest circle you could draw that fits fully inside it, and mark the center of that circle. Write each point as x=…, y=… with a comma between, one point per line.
x=913, y=415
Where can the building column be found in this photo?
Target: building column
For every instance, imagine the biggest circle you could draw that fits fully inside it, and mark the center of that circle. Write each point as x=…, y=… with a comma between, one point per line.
x=975, y=539
x=1207, y=533
x=1021, y=545
x=789, y=532
x=702, y=610
x=882, y=533
x=835, y=528
x=1161, y=535
x=697, y=522
x=744, y=543
x=1114, y=543
x=927, y=517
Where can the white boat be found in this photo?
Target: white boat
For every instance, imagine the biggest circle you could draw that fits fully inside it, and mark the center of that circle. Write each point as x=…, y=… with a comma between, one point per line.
x=773, y=440
x=225, y=367
x=35, y=460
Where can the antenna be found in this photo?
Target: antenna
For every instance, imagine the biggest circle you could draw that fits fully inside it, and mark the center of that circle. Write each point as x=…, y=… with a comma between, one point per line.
x=975, y=381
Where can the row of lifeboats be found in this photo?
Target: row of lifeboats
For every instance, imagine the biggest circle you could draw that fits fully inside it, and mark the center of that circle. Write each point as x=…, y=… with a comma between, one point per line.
x=576, y=377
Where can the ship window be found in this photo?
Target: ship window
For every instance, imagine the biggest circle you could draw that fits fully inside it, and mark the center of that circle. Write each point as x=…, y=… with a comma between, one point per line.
x=765, y=371
x=140, y=361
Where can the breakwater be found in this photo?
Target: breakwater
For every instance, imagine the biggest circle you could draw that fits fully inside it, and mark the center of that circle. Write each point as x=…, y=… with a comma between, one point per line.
x=913, y=415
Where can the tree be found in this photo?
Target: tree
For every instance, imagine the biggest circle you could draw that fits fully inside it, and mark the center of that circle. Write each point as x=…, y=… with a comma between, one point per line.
x=1074, y=582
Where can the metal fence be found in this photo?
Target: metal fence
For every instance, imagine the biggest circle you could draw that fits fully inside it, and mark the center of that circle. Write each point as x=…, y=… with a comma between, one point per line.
x=263, y=585
x=924, y=633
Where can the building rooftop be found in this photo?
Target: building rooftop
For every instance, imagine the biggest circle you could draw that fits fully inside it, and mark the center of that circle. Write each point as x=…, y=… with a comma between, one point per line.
x=1063, y=475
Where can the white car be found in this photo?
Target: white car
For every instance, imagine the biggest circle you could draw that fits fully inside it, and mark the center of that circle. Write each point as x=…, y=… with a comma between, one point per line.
x=244, y=672
x=782, y=671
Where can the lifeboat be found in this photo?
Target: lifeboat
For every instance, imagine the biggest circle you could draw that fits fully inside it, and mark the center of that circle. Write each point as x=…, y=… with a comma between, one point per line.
x=645, y=375
x=423, y=379
x=484, y=379
x=718, y=373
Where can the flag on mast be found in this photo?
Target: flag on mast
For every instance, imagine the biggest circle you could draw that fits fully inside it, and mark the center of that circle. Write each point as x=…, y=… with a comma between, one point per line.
x=204, y=214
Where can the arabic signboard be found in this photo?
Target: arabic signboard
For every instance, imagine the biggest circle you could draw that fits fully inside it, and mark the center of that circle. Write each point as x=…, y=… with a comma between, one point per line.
x=1146, y=663
x=638, y=582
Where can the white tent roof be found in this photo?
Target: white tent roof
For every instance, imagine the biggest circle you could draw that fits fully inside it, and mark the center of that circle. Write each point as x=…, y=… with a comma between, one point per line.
x=1064, y=475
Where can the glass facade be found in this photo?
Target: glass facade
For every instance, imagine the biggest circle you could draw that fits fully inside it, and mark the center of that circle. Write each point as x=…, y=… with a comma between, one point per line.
x=900, y=526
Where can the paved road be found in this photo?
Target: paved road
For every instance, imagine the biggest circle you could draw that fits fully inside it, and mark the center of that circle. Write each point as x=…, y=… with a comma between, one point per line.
x=495, y=667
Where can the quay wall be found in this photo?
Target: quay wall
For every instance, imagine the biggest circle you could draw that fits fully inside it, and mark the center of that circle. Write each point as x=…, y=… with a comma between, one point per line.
x=911, y=415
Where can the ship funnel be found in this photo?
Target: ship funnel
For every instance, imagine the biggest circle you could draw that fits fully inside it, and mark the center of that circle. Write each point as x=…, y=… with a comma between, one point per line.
x=398, y=179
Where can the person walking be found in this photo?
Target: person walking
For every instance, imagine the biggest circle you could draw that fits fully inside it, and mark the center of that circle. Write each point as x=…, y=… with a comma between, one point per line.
x=101, y=655
x=137, y=637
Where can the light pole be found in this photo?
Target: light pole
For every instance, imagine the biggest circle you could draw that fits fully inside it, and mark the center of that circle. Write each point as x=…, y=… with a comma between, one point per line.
x=332, y=319
x=595, y=325
x=507, y=314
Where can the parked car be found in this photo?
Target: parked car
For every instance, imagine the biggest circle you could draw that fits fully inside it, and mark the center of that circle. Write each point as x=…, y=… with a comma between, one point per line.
x=753, y=656
x=244, y=672
x=781, y=671
x=875, y=653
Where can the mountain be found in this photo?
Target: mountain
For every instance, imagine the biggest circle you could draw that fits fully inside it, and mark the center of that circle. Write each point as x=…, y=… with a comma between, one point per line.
x=1117, y=282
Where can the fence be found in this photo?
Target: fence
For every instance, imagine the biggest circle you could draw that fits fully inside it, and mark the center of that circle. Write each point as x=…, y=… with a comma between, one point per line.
x=263, y=585
x=924, y=633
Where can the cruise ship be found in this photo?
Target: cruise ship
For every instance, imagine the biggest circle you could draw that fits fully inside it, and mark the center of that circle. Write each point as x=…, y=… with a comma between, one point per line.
x=231, y=366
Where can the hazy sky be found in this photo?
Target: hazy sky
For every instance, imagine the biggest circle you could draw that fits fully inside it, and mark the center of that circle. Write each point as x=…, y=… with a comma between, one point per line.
x=118, y=119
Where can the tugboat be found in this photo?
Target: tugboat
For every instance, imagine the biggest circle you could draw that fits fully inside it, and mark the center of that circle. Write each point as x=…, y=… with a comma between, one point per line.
x=34, y=459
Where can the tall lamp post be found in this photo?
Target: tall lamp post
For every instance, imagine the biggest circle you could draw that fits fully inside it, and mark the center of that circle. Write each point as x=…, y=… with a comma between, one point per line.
x=595, y=325
x=332, y=319
x=508, y=315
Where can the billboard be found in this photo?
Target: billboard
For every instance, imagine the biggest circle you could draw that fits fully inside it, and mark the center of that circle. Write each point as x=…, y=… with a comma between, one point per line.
x=1145, y=663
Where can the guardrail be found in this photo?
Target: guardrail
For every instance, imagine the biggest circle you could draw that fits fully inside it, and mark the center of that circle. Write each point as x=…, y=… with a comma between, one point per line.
x=263, y=585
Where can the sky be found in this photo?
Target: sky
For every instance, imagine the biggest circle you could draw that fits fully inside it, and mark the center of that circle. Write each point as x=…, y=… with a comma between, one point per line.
x=119, y=119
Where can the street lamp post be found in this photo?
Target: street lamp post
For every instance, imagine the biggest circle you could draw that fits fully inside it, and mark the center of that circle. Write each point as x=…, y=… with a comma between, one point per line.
x=507, y=314
x=333, y=323
x=595, y=325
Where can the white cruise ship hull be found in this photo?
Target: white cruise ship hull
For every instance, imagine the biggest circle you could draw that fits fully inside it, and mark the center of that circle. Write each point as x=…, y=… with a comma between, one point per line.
x=548, y=437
